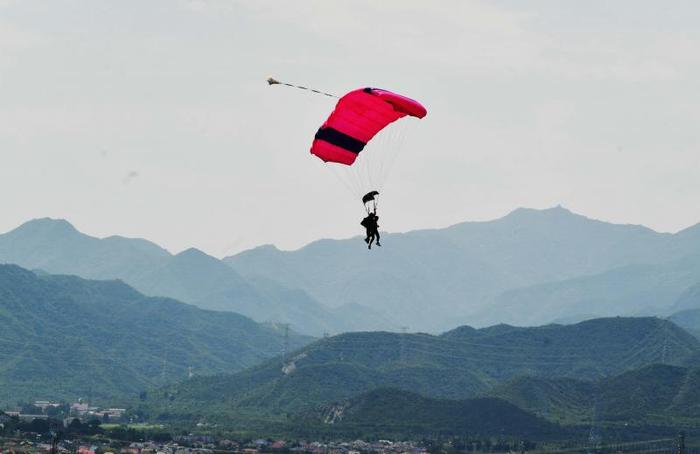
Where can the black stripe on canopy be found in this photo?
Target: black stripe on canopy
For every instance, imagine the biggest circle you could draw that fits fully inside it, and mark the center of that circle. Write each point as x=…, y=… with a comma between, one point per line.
x=342, y=140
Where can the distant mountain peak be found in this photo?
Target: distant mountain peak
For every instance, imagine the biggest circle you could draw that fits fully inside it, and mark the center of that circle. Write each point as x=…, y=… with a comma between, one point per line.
x=263, y=250
x=49, y=222
x=557, y=210
x=195, y=254
x=47, y=226
x=267, y=247
x=193, y=251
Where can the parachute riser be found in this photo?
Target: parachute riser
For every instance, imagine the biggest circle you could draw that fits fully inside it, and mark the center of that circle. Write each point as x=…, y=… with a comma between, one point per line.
x=370, y=197
x=373, y=209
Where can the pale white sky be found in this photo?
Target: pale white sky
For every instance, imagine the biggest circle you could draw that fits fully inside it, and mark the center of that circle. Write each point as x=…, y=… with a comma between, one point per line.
x=152, y=118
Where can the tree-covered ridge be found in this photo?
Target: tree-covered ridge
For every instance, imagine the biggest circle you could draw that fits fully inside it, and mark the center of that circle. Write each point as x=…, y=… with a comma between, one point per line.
x=459, y=364
x=530, y=267
x=66, y=337
x=191, y=276
x=655, y=395
x=653, y=399
x=387, y=412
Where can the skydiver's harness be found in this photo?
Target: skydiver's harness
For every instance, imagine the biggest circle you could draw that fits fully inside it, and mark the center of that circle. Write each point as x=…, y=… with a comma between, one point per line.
x=374, y=207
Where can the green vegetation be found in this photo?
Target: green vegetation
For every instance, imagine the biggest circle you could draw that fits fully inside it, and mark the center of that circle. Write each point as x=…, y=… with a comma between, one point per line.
x=654, y=395
x=64, y=337
x=396, y=414
x=191, y=276
x=654, y=400
x=563, y=400
x=552, y=372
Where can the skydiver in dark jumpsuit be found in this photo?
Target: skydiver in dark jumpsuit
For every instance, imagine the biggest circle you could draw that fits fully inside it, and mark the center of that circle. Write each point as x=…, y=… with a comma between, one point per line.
x=370, y=223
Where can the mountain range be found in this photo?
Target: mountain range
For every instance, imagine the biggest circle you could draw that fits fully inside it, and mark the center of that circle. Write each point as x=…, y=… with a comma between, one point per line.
x=658, y=394
x=459, y=364
x=528, y=268
x=116, y=329
x=64, y=337
x=550, y=380
x=192, y=276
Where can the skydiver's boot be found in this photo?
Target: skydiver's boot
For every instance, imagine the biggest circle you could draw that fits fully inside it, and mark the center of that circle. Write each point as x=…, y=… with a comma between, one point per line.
x=367, y=240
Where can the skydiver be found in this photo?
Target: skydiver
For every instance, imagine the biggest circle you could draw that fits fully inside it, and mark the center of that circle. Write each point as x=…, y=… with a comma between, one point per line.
x=366, y=222
x=372, y=229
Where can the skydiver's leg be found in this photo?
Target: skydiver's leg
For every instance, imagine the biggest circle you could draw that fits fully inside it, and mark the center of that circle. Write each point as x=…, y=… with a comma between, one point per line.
x=376, y=234
x=371, y=239
x=367, y=236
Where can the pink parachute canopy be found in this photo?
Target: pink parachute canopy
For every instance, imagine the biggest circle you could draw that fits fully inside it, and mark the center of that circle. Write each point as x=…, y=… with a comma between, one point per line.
x=357, y=118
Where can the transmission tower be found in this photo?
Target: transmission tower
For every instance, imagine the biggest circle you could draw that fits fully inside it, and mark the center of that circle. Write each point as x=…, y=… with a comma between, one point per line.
x=285, y=350
x=402, y=344
x=165, y=365
x=594, y=436
x=681, y=443
x=665, y=349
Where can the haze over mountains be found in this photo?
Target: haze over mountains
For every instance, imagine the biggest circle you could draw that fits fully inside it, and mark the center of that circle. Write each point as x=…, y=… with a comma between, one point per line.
x=192, y=276
x=66, y=337
x=528, y=268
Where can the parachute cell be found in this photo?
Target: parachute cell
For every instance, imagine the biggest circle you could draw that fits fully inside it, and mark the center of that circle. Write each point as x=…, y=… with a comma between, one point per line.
x=357, y=118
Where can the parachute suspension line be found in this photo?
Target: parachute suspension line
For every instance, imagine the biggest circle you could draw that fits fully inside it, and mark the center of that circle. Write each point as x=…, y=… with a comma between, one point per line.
x=373, y=165
x=350, y=180
x=272, y=81
x=363, y=173
x=391, y=146
x=342, y=180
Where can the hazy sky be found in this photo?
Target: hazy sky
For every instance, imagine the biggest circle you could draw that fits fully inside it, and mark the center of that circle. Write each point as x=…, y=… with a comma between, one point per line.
x=152, y=118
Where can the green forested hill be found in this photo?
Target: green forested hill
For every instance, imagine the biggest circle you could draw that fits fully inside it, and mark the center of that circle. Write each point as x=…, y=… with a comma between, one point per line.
x=658, y=394
x=645, y=399
x=653, y=395
x=563, y=400
x=55, y=246
x=459, y=364
x=66, y=337
x=392, y=413
x=527, y=268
